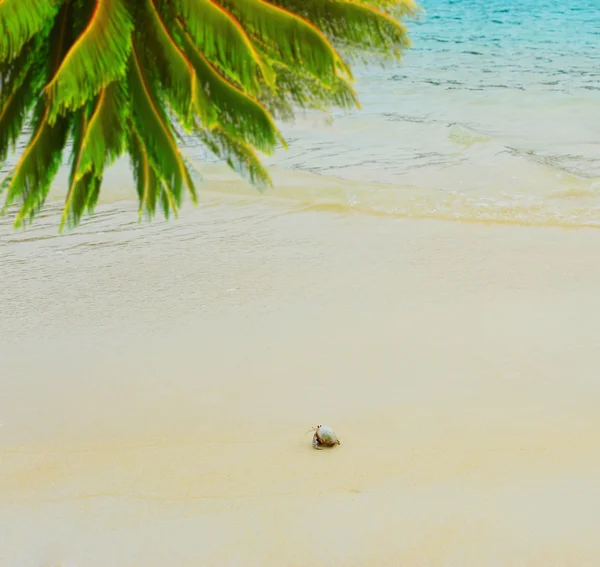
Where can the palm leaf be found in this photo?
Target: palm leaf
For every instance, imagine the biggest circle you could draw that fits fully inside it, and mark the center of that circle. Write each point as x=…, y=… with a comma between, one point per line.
x=14, y=72
x=238, y=113
x=167, y=200
x=176, y=74
x=31, y=178
x=300, y=90
x=13, y=114
x=37, y=166
x=237, y=154
x=295, y=40
x=20, y=85
x=398, y=8
x=223, y=41
x=20, y=20
x=132, y=75
x=98, y=56
x=154, y=131
x=77, y=193
x=104, y=139
x=147, y=182
x=93, y=192
x=353, y=25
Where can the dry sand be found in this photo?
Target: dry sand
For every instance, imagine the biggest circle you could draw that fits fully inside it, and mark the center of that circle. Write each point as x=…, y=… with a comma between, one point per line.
x=156, y=385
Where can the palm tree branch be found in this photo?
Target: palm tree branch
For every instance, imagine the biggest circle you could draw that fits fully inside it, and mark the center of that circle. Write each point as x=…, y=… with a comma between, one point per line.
x=155, y=132
x=20, y=21
x=237, y=112
x=223, y=41
x=294, y=38
x=97, y=57
x=75, y=188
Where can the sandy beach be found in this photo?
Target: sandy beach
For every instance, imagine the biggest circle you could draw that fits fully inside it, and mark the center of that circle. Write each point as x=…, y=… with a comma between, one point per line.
x=157, y=384
x=424, y=278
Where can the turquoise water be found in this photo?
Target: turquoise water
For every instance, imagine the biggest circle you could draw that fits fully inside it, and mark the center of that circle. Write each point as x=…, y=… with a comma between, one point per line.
x=493, y=114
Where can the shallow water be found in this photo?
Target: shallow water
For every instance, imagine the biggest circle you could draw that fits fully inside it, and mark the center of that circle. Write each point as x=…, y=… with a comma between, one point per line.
x=156, y=380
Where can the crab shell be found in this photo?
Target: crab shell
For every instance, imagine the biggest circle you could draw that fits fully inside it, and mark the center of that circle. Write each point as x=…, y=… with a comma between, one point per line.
x=326, y=436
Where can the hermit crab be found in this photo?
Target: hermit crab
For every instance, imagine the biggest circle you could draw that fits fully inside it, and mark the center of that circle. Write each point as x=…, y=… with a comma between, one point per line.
x=324, y=436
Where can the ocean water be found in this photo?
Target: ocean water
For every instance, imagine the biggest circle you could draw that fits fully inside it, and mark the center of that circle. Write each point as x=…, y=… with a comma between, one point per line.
x=492, y=115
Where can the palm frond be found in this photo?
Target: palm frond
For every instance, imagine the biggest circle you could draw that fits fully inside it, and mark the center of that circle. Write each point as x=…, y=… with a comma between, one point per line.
x=104, y=139
x=238, y=113
x=98, y=56
x=31, y=179
x=20, y=20
x=155, y=132
x=19, y=88
x=223, y=41
x=237, y=154
x=294, y=39
x=301, y=90
x=353, y=25
x=147, y=182
x=177, y=76
x=168, y=200
x=13, y=114
x=397, y=8
x=78, y=187
x=132, y=76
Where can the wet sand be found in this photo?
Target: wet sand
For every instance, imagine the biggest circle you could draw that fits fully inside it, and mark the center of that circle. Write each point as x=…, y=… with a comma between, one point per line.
x=156, y=384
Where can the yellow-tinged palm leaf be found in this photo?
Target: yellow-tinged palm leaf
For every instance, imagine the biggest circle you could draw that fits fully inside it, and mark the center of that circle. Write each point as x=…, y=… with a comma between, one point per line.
x=353, y=25
x=177, y=75
x=31, y=178
x=98, y=56
x=18, y=93
x=77, y=193
x=223, y=41
x=296, y=89
x=147, y=182
x=99, y=138
x=37, y=167
x=398, y=8
x=237, y=154
x=13, y=115
x=104, y=138
x=155, y=132
x=237, y=112
x=20, y=20
x=168, y=200
x=127, y=75
x=294, y=39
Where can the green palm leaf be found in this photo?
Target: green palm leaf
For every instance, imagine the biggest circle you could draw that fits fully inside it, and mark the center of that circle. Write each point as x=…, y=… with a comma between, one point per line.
x=237, y=112
x=153, y=129
x=353, y=25
x=147, y=182
x=223, y=41
x=398, y=8
x=18, y=94
x=98, y=56
x=116, y=76
x=20, y=20
x=31, y=178
x=176, y=73
x=293, y=39
x=37, y=167
x=77, y=193
x=237, y=154
x=104, y=139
